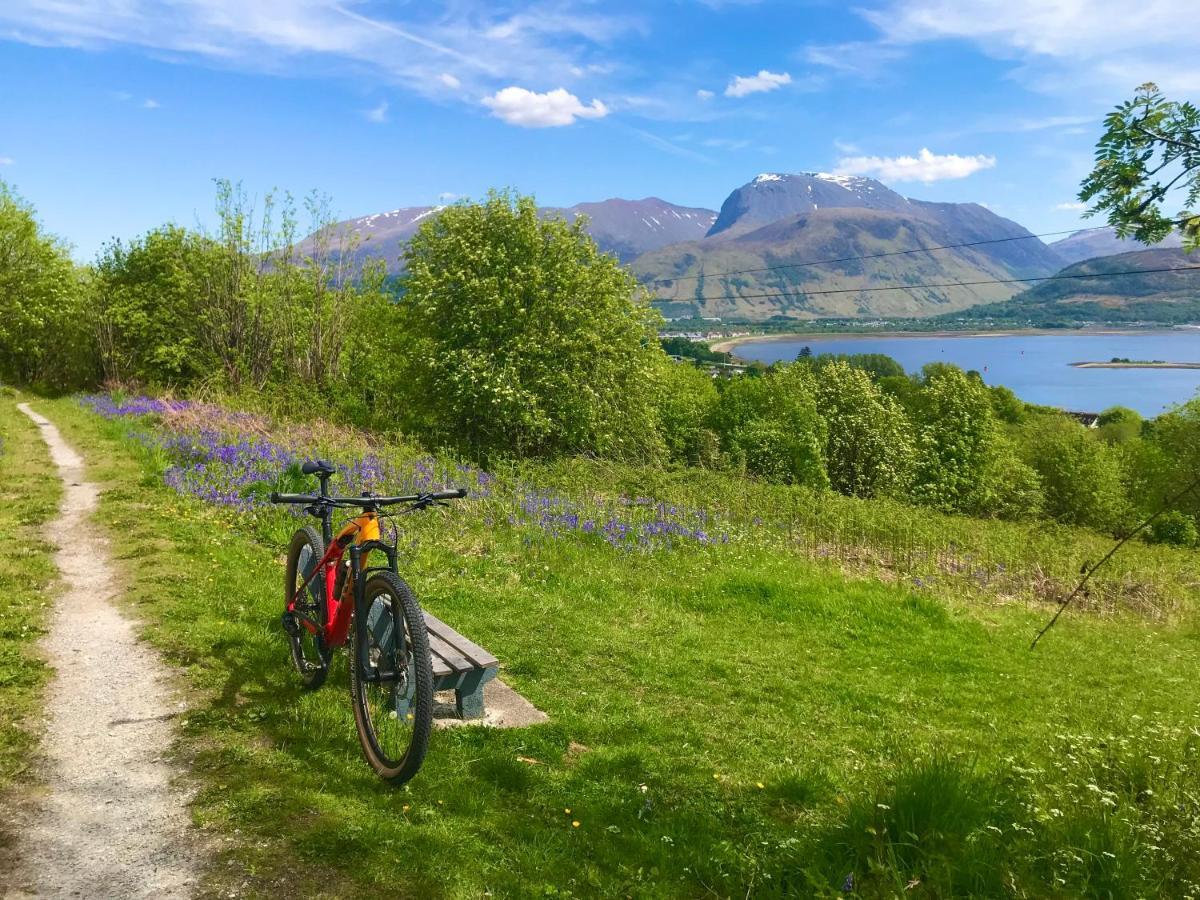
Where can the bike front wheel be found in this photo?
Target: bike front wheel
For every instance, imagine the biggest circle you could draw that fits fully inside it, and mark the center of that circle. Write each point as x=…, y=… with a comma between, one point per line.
x=306, y=625
x=391, y=678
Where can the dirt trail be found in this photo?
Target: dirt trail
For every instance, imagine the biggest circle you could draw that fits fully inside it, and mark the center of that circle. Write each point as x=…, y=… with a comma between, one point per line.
x=110, y=823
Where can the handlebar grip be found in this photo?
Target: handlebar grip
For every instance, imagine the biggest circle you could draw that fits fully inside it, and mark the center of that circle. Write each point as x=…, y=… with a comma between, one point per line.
x=291, y=498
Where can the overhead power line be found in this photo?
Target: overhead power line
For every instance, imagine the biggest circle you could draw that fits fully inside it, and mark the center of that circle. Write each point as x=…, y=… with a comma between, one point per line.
x=944, y=284
x=842, y=259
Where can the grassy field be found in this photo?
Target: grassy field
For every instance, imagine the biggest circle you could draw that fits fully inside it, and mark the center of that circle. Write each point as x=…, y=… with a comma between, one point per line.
x=29, y=494
x=742, y=707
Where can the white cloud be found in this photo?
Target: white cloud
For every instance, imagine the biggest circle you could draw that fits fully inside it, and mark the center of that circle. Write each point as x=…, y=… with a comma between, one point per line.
x=1060, y=47
x=529, y=109
x=925, y=166
x=450, y=81
x=377, y=114
x=705, y=95
x=1073, y=206
x=756, y=84
x=6, y=160
x=447, y=197
x=150, y=103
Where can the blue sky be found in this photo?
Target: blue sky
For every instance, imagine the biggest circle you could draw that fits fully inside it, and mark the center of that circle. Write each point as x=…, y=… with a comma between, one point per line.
x=116, y=114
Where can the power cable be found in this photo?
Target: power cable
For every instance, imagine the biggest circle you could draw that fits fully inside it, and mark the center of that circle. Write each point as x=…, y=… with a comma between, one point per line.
x=945, y=284
x=842, y=259
x=1090, y=570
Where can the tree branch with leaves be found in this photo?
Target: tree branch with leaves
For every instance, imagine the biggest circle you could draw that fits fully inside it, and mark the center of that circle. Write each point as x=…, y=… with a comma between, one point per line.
x=1148, y=160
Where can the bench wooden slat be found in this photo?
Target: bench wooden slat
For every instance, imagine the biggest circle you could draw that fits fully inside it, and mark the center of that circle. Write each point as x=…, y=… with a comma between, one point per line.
x=441, y=668
x=455, y=660
x=465, y=648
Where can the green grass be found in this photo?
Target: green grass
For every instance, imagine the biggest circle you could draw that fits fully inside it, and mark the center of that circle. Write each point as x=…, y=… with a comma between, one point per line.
x=29, y=494
x=727, y=720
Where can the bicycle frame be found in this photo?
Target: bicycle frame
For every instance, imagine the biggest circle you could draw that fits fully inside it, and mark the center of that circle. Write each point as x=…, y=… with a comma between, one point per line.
x=360, y=537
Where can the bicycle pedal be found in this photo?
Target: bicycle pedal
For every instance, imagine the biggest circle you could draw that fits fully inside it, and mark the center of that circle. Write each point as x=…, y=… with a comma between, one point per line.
x=290, y=625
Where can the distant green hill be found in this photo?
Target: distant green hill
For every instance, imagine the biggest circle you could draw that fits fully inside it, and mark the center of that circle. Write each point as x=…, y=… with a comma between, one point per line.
x=1167, y=297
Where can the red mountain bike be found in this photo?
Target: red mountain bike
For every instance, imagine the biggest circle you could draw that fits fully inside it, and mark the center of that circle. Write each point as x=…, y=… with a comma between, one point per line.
x=331, y=601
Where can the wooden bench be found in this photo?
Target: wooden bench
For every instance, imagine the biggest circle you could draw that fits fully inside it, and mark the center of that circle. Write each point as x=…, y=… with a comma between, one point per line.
x=459, y=665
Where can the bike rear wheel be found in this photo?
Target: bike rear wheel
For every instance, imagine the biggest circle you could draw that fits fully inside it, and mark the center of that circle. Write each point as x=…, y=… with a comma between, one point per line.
x=391, y=678
x=306, y=628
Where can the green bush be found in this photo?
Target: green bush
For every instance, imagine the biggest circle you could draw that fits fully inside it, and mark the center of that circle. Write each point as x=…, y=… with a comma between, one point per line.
x=45, y=335
x=522, y=339
x=868, y=445
x=773, y=426
x=1175, y=528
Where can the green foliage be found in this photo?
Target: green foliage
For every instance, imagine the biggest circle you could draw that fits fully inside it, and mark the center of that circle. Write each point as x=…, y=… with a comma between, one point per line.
x=1081, y=475
x=773, y=426
x=697, y=350
x=523, y=339
x=868, y=447
x=241, y=308
x=1149, y=153
x=44, y=334
x=877, y=365
x=1008, y=407
x=150, y=318
x=1174, y=528
x=1119, y=425
x=957, y=439
x=685, y=399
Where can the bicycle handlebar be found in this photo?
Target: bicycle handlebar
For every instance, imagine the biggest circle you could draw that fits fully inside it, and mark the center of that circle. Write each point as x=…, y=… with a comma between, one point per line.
x=370, y=501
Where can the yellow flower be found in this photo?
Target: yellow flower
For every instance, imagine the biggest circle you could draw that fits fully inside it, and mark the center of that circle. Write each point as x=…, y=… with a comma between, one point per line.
x=404, y=808
x=760, y=785
x=567, y=810
x=575, y=824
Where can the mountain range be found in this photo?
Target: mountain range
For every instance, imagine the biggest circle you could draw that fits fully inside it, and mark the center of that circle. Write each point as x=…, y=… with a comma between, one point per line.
x=805, y=245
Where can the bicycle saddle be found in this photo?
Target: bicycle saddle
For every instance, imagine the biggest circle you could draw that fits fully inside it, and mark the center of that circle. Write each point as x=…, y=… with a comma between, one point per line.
x=319, y=467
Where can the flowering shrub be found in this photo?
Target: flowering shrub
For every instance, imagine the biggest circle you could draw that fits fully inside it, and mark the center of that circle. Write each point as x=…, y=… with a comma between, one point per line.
x=234, y=461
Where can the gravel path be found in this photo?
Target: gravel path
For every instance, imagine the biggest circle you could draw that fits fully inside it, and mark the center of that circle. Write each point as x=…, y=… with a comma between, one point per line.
x=111, y=823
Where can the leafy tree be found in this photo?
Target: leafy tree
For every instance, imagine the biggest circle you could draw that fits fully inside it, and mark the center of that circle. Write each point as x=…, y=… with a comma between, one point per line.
x=1148, y=155
x=1081, y=475
x=772, y=425
x=685, y=399
x=957, y=440
x=149, y=316
x=44, y=335
x=1176, y=437
x=522, y=339
x=868, y=445
x=1119, y=425
x=1008, y=407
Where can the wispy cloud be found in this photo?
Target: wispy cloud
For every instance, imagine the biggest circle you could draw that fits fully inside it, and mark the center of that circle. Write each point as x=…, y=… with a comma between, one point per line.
x=726, y=143
x=150, y=103
x=925, y=166
x=705, y=95
x=864, y=59
x=487, y=47
x=6, y=160
x=764, y=81
x=1072, y=206
x=377, y=113
x=450, y=81
x=553, y=109
x=1101, y=45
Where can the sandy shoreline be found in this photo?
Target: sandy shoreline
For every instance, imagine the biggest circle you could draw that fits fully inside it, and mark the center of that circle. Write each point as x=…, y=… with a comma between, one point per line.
x=1135, y=365
x=729, y=345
